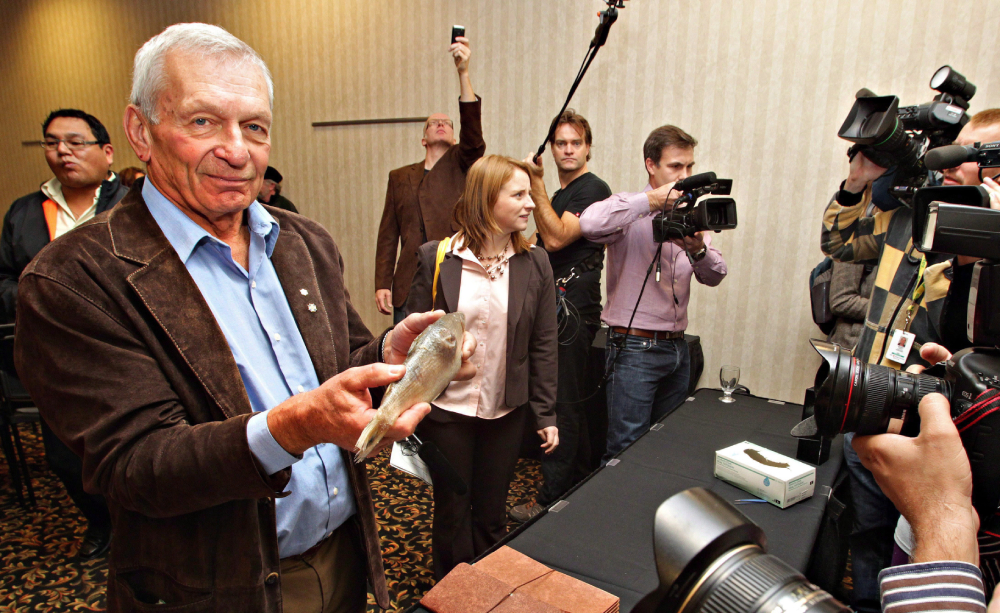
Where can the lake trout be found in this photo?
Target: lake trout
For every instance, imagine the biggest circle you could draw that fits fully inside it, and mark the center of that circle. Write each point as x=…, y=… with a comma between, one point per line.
x=431, y=363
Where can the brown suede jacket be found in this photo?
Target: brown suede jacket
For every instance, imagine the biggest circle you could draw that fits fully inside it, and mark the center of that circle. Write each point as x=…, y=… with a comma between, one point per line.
x=125, y=360
x=419, y=208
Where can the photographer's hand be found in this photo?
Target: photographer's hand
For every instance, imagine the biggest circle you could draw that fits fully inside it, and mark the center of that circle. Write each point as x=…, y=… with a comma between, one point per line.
x=461, y=51
x=932, y=353
x=994, y=189
x=662, y=198
x=929, y=480
x=691, y=244
x=863, y=172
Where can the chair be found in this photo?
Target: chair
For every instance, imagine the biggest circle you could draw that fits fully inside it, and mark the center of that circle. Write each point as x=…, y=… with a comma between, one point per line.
x=16, y=408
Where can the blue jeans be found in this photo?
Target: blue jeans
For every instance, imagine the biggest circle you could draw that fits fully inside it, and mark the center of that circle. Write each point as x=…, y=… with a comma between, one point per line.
x=872, y=534
x=649, y=381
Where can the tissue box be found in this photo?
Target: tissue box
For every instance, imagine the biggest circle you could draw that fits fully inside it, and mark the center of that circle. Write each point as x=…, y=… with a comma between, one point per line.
x=778, y=479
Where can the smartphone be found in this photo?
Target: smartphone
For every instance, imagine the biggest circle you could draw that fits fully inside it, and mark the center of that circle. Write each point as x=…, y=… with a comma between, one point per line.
x=456, y=31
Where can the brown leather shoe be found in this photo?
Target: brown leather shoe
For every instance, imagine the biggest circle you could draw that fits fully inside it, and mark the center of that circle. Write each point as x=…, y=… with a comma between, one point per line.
x=523, y=512
x=95, y=544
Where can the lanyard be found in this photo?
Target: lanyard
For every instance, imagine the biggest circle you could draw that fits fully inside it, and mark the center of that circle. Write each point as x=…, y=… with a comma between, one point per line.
x=918, y=294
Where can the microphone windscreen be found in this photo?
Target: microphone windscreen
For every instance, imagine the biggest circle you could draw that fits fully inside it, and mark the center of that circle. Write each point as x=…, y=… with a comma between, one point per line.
x=695, y=181
x=949, y=156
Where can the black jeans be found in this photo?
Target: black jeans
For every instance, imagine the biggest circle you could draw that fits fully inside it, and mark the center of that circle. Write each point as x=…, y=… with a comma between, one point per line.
x=484, y=453
x=69, y=468
x=563, y=468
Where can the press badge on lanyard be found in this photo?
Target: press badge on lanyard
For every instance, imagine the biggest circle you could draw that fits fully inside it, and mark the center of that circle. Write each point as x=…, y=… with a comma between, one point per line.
x=902, y=340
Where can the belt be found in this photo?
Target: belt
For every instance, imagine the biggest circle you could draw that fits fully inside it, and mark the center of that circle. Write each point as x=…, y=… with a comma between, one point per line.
x=653, y=334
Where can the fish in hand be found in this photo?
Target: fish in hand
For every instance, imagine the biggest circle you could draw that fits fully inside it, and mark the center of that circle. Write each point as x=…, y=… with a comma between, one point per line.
x=431, y=363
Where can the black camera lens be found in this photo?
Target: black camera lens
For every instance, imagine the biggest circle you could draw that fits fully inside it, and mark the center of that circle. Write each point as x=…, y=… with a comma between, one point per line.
x=852, y=396
x=711, y=559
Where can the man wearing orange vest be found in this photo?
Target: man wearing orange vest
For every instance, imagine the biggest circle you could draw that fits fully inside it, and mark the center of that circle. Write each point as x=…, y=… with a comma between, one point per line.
x=79, y=152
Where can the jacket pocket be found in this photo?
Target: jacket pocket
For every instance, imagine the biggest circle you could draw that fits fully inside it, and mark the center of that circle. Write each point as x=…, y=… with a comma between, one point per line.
x=146, y=590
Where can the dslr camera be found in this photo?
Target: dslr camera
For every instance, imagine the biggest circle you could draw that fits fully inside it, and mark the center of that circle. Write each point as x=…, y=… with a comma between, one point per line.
x=897, y=137
x=692, y=213
x=710, y=558
x=852, y=396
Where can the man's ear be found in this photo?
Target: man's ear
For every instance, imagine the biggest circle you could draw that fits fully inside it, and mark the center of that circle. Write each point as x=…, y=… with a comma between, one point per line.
x=137, y=133
x=650, y=166
x=423, y=142
x=109, y=153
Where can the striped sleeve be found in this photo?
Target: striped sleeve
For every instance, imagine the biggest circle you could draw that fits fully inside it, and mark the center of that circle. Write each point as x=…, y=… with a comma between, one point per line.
x=932, y=587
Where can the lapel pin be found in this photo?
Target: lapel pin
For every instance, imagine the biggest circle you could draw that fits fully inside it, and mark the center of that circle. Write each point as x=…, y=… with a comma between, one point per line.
x=311, y=307
x=304, y=291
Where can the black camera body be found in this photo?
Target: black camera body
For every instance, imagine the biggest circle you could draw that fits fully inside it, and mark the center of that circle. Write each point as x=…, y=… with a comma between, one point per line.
x=690, y=215
x=894, y=136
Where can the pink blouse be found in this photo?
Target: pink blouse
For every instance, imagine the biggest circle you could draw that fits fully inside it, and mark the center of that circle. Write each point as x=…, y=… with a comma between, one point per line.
x=484, y=303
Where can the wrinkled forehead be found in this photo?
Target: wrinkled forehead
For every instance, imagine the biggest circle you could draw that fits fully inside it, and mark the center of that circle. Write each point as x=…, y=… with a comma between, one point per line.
x=197, y=79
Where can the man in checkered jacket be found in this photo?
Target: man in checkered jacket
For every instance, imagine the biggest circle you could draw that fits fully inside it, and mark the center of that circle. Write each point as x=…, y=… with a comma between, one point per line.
x=911, y=294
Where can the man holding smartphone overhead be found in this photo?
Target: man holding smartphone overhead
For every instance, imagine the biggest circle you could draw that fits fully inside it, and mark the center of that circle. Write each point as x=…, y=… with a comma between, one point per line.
x=420, y=197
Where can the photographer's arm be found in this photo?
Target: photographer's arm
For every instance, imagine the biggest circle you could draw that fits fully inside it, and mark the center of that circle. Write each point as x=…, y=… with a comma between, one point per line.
x=711, y=269
x=607, y=221
x=929, y=480
x=849, y=236
x=556, y=231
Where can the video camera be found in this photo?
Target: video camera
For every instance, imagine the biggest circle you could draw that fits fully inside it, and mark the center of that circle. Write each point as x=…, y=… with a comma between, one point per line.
x=986, y=155
x=690, y=215
x=894, y=136
x=852, y=396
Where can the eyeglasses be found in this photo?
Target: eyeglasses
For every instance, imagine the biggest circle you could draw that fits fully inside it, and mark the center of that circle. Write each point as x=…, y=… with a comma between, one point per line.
x=51, y=144
x=433, y=123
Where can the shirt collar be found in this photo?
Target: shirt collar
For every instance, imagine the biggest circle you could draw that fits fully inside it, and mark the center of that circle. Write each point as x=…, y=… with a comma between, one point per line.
x=53, y=191
x=185, y=235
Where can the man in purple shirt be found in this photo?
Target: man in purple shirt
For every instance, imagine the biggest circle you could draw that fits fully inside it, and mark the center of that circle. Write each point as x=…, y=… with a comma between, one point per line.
x=650, y=376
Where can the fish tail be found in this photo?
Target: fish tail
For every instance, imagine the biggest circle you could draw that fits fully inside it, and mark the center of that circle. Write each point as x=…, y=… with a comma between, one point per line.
x=369, y=438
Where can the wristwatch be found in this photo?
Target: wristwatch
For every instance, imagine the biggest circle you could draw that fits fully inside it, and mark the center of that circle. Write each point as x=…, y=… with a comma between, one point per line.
x=699, y=255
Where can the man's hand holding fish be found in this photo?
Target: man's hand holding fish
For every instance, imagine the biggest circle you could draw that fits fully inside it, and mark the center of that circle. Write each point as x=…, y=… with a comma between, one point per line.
x=339, y=410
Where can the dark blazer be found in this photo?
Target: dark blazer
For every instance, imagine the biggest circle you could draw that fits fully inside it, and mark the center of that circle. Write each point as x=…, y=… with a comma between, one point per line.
x=419, y=209
x=532, y=331
x=125, y=360
x=25, y=233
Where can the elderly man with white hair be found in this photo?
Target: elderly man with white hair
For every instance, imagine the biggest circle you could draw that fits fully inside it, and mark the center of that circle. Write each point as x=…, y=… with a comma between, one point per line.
x=199, y=351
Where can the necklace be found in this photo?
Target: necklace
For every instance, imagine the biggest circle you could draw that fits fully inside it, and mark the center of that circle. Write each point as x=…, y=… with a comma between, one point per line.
x=494, y=264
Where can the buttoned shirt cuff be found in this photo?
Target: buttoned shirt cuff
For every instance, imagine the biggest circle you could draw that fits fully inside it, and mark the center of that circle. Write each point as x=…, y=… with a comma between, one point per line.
x=932, y=586
x=271, y=456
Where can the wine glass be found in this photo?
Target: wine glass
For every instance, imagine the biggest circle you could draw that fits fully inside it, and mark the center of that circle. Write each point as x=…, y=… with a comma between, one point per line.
x=729, y=376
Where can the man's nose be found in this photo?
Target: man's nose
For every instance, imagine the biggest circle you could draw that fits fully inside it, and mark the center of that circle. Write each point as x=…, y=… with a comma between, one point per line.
x=233, y=147
x=62, y=148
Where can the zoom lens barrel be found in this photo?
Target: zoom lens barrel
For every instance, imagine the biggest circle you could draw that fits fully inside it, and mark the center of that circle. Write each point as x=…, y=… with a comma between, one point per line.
x=852, y=396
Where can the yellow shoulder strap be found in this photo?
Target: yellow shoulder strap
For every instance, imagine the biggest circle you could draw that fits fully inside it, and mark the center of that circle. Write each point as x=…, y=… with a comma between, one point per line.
x=442, y=250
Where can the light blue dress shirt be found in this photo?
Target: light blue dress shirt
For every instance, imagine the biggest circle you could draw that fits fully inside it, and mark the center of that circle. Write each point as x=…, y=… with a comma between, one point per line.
x=251, y=308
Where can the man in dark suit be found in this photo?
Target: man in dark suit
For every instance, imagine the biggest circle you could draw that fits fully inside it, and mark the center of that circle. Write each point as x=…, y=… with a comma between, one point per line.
x=196, y=349
x=79, y=153
x=420, y=197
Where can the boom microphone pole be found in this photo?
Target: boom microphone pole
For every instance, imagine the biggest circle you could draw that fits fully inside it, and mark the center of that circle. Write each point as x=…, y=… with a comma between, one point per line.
x=607, y=18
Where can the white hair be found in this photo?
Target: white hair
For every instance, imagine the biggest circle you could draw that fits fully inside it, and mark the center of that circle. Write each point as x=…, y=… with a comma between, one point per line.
x=208, y=41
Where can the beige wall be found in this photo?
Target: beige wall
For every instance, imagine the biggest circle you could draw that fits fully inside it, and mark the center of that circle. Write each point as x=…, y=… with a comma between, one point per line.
x=762, y=84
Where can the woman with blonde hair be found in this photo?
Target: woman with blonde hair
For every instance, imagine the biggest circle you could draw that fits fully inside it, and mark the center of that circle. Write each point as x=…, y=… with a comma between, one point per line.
x=504, y=286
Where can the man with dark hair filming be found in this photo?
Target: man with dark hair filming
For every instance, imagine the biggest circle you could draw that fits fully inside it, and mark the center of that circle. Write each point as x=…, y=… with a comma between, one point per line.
x=907, y=308
x=576, y=266
x=650, y=376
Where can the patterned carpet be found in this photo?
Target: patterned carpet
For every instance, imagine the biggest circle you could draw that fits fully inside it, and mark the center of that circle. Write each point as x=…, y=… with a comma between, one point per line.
x=38, y=546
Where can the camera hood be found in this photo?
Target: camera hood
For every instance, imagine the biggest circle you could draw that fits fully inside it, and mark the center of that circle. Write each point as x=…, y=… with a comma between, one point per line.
x=872, y=120
x=837, y=366
x=956, y=220
x=691, y=531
